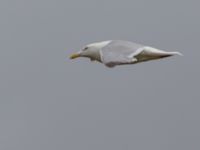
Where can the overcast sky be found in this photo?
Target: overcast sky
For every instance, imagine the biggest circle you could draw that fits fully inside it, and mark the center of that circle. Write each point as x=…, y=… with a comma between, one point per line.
x=49, y=102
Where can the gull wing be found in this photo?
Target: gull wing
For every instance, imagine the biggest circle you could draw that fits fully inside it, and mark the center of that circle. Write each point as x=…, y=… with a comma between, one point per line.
x=119, y=52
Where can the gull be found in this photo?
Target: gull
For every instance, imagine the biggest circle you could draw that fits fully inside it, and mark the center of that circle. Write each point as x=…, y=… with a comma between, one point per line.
x=117, y=52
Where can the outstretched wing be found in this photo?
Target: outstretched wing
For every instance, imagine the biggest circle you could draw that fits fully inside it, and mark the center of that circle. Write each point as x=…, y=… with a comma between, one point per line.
x=119, y=52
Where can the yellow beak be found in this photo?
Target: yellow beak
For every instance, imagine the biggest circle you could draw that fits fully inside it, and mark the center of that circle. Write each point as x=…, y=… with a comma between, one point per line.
x=73, y=56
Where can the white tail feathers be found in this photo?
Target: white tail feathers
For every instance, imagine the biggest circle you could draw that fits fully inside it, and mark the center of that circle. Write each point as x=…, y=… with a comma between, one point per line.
x=176, y=53
x=158, y=51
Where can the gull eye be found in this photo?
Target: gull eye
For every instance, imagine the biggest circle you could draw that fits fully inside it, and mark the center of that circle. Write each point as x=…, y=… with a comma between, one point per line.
x=85, y=48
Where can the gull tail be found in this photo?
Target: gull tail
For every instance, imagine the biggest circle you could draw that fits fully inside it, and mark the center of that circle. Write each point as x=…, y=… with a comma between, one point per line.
x=157, y=52
x=164, y=54
x=150, y=53
x=175, y=53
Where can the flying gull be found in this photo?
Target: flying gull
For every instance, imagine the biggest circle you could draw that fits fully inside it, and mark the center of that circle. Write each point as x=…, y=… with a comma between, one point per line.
x=117, y=52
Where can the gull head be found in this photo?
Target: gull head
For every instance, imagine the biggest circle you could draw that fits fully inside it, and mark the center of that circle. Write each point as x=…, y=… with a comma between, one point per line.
x=91, y=51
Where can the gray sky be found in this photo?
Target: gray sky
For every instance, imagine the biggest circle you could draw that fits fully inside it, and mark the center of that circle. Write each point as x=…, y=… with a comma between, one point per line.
x=49, y=102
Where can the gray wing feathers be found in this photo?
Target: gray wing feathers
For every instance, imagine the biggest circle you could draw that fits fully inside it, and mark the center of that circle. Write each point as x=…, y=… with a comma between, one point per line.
x=119, y=52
